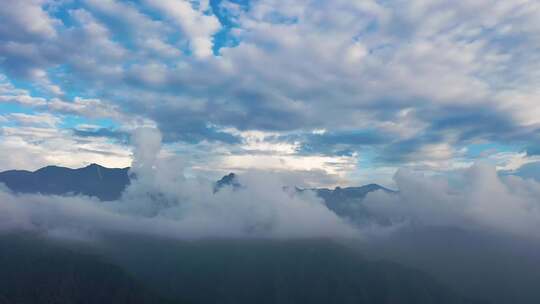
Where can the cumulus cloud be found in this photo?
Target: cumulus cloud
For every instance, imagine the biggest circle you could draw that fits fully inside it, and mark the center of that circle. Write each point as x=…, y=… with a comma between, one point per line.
x=28, y=17
x=349, y=68
x=198, y=26
x=477, y=199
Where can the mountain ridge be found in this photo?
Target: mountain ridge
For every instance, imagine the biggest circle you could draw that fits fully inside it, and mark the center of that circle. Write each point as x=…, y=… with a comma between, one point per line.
x=107, y=184
x=93, y=180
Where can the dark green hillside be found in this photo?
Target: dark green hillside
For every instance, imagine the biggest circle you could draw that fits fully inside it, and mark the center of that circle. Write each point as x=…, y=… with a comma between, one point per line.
x=210, y=271
x=266, y=271
x=34, y=271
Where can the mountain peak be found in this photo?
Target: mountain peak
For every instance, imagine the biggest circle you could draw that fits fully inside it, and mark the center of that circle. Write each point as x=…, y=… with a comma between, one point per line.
x=51, y=168
x=108, y=183
x=94, y=166
x=227, y=180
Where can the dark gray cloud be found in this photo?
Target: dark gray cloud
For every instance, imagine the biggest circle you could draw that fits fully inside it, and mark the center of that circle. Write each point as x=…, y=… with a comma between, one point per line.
x=103, y=132
x=402, y=150
x=337, y=142
x=195, y=132
x=471, y=122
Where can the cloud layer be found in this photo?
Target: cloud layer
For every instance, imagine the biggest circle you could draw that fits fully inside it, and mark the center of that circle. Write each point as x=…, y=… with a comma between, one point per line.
x=391, y=84
x=161, y=202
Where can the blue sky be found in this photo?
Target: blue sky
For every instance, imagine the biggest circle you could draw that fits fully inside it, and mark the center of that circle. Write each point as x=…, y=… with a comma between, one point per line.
x=341, y=92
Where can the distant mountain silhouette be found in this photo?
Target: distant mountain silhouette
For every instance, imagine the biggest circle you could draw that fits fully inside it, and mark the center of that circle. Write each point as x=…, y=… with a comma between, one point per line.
x=339, y=194
x=345, y=202
x=228, y=180
x=108, y=183
x=93, y=180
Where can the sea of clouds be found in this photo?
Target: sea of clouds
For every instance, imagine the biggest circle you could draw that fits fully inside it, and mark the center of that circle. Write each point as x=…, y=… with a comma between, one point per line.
x=161, y=201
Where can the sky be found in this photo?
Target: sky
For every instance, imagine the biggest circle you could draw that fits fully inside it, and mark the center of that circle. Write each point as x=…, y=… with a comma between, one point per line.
x=337, y=92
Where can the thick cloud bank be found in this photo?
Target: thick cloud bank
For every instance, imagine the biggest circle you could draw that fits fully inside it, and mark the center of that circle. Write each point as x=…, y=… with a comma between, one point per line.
x=477, y=199
x=160, y=201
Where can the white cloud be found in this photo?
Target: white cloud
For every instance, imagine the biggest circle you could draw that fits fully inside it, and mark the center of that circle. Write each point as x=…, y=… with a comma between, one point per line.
x=41, y=119
x=400, y=69
x=86, y=107
x=477, y=199
x=28, y=18
x=40, y=144
x=194, y=22
x=161, y=202
x=11, y=94
x=149, y=35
